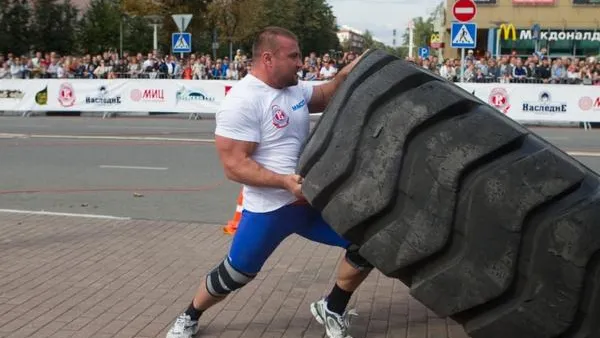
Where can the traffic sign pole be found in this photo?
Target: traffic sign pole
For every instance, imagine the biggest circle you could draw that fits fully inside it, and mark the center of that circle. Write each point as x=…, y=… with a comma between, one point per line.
x=181, y=31
x=411, y=38
x=462, y=65
x=463, y=35
x=182, y=21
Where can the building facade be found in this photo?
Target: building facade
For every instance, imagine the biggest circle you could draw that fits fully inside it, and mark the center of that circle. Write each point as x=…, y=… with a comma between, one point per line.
x=351, y=39
x=562, y=27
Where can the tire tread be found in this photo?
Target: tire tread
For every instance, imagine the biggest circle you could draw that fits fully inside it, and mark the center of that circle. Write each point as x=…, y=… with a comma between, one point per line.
x=485, y=221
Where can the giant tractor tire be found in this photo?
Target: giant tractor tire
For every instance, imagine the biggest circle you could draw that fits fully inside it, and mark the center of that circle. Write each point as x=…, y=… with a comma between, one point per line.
x=485, y=221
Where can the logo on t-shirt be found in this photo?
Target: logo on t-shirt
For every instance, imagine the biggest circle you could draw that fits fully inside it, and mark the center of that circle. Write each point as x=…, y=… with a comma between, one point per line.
x=299, y=105
x=280, y=118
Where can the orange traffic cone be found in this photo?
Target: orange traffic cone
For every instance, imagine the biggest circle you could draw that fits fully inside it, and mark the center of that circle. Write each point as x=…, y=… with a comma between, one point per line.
x=232, y=225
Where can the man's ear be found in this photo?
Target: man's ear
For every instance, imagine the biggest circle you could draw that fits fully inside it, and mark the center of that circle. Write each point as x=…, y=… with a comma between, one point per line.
x=267, y=58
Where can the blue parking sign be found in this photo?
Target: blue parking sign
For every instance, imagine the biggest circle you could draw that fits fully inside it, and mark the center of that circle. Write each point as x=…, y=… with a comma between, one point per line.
x=424, y=52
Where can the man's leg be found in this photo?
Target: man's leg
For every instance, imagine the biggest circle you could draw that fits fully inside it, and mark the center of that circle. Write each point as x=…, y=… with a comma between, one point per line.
x=352, y=271
x=255, y=240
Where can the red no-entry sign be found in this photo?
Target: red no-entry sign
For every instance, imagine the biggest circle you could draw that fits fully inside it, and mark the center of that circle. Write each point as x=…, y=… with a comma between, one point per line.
x=464, y=10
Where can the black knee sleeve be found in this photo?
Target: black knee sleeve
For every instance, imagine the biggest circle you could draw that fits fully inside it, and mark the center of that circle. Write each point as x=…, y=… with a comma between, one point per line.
x=355, y=259
x=224, y=279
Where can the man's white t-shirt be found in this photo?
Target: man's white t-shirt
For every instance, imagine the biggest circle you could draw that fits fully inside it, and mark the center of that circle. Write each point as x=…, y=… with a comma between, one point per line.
x=278, y=120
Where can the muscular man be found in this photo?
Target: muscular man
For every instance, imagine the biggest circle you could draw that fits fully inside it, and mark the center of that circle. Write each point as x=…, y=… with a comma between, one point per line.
x=261, y=127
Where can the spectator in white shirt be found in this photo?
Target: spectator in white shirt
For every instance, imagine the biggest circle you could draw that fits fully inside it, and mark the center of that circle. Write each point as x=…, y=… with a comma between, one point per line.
x=60, y=71
x=232, y=72
x=447, y=71
x=199, y=70
x=16, y=69
x=328, y=70
x=52, y=69
x=37, y=59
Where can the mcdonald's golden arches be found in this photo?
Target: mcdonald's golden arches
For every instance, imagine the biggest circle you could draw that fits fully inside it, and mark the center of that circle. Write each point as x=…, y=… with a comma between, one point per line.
x=507, y=29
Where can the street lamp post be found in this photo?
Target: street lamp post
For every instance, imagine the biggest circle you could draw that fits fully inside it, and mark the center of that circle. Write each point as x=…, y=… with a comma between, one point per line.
x=498, y=23
x=121, y=37
x=155, y=21
x=230, y=23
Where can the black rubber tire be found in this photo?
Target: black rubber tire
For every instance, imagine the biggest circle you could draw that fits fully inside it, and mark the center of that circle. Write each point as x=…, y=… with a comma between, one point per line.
x=485, y=221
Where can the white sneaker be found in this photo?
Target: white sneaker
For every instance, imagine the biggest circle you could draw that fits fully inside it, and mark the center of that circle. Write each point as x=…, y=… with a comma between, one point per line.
x=336, y=326
x=184, y=327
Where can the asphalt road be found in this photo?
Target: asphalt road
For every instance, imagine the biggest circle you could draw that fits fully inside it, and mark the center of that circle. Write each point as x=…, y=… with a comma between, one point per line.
x=149, y=168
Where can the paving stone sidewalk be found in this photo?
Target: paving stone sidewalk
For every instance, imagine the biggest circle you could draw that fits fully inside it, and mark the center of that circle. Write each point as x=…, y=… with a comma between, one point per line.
x=83, y=277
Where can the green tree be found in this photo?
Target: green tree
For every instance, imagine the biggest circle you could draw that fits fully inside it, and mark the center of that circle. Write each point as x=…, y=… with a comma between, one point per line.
x=14, y=26
x=99, y=29
x=368, y=41
x=423, y=28
x=68, y=23
x=316, y=27
x=312, y=21
x=137, y=35
x=140, y=7
x=281, y=13
x=201, y=26
x=4, y=36
x=236, y=21
x=53, y=26
x=400, y=52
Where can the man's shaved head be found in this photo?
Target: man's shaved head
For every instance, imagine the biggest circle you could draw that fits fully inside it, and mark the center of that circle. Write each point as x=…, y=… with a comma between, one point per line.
x=267, y=40
x=276, y=57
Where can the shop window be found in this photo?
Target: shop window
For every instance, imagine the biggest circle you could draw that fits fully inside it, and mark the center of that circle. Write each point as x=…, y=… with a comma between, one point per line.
x=561, y=47
x=587, y=48
x=522, y=47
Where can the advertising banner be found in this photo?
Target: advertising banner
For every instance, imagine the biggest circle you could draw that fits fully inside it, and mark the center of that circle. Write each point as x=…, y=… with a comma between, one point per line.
x=118, y=95
x=23, y=95
x=521, y=102
x=532, y=102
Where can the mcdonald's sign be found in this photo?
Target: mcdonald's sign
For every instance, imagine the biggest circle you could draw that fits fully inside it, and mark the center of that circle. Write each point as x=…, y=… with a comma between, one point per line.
x=435, y=41
x=507, y=29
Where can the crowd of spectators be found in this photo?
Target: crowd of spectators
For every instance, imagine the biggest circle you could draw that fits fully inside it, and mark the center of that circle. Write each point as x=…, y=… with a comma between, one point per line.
x=536, y=68
x=109, y=65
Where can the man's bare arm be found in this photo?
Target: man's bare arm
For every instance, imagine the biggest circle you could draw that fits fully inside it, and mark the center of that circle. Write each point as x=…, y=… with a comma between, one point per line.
x=323, y=93
x=240, y=167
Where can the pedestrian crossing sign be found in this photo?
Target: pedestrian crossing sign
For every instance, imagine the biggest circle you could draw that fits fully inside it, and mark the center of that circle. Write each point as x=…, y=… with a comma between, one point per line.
x=463, y=35
x=181, y=42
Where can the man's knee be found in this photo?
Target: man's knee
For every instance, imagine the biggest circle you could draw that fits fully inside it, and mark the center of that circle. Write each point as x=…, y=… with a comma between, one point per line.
x=354, y=258
x=225, y=279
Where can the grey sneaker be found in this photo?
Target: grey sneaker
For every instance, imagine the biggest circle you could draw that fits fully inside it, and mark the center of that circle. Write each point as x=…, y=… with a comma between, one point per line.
x=184, y=327
x=336, y=326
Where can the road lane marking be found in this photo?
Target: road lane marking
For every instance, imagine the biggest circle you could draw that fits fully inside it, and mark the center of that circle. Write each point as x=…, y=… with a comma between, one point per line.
x=50, y=213
x=129, y=138
x=584, y=153
x=556, y=138
x=132, y=167
x=10, y=135
x=197, y=140
x=108, y=137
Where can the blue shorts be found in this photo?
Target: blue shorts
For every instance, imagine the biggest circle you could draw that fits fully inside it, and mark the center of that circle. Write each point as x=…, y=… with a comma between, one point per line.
x=259, y=234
